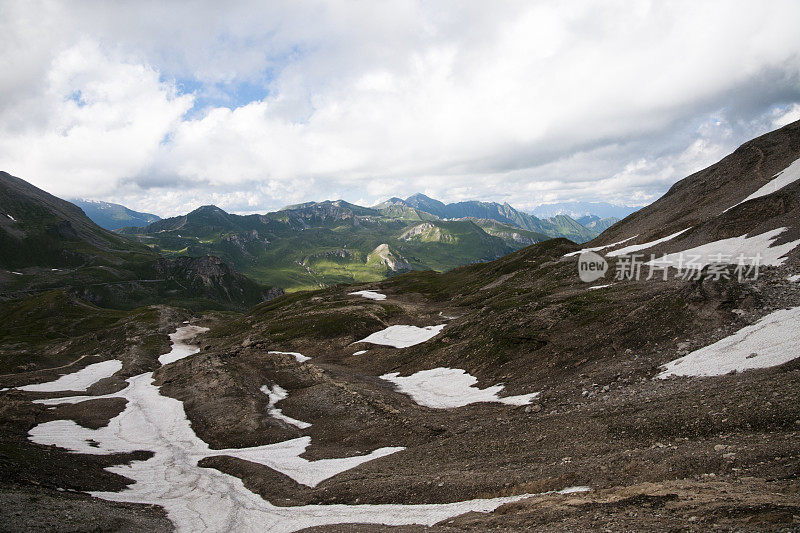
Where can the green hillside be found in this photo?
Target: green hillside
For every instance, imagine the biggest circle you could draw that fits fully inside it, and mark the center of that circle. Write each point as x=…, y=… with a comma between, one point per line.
x=320, y=244
x=48, y=243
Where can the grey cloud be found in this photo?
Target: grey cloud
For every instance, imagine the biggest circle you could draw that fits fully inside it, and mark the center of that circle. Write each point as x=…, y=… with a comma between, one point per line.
x=514, y=102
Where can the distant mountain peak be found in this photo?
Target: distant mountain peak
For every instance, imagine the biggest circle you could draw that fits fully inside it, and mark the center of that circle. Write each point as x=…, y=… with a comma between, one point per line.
x=503, y=213
x=114, y=216
x=210, y=208
x=419, y=196
x=581, y=209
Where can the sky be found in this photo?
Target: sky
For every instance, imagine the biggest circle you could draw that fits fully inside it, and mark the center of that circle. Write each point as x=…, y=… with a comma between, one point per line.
x=166, y=106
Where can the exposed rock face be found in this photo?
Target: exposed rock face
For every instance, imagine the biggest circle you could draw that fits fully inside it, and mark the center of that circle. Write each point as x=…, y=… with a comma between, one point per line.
x=214, y=278
x=427, y=232
x=516, y=237
x=384, y=255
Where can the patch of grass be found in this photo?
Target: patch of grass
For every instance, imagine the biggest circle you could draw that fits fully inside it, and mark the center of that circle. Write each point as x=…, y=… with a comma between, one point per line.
x=55, y=328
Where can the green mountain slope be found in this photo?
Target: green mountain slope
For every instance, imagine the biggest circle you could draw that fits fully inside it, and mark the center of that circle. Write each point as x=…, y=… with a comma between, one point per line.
x=41, y=230
x=319, y=244
x=48, y=243
x=595, y=223
x=566, y=226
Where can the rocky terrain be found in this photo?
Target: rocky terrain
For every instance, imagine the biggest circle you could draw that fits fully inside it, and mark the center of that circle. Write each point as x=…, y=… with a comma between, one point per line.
x=509, y=388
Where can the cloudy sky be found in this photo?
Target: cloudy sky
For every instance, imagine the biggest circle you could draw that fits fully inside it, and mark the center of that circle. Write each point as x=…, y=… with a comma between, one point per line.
x=167, y=106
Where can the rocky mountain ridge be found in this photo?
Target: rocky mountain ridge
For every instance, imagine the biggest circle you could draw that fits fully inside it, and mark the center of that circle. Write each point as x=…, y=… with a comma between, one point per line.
x=48, y=243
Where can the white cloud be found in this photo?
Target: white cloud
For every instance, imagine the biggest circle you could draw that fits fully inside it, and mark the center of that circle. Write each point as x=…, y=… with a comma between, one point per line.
x=101, y=120
x=786, y=115
x=514, y=102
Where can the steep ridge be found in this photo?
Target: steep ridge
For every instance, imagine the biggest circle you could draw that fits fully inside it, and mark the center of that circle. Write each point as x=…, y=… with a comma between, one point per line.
x=596, y=223
x=48, y=243
x=711, y=206
x=38, y=228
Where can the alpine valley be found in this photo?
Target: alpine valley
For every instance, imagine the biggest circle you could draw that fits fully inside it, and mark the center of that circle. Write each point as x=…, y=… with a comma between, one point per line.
x=450, y=371
x=318, y=244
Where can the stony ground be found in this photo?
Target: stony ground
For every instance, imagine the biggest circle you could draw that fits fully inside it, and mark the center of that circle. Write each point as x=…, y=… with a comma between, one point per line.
x=678, y=454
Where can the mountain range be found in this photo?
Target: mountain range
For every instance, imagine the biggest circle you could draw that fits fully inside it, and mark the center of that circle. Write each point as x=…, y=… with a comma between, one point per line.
x=558, y=225
x=47, y=243
x=581, y=209
x=316, y=244
x=319, y=244
x=508, y=386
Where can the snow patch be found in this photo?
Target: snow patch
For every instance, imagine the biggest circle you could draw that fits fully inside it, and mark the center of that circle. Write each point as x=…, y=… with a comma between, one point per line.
x=17, y=273
x=12, y=218
x=80, y=380
x=276, y=394
x=771, y=341
x=403, y=336
x=598, y=287
x=780, y=180
x=445, y=388
x=748, y=247
x=158, y=423
x=598, y=248
x=794, y=278
x=372, y=295
x=205, y=499
x=180, y=348
x=300, y=357
x=573, y=490
x=636, y=247
x=360, y=352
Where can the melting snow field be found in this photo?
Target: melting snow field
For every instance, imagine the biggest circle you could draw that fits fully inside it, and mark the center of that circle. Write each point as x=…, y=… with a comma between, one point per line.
x=780, y=180
x=80, y=380
x=636, y=247
x=300, y=357
x=573, y=490
x=204, y=499
x=369, y=294
x=445, y=388
x=180, y=348
x=771, y=341
x=732, y=248
x=598, y=248
x=403, y=336
x=276, y=394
